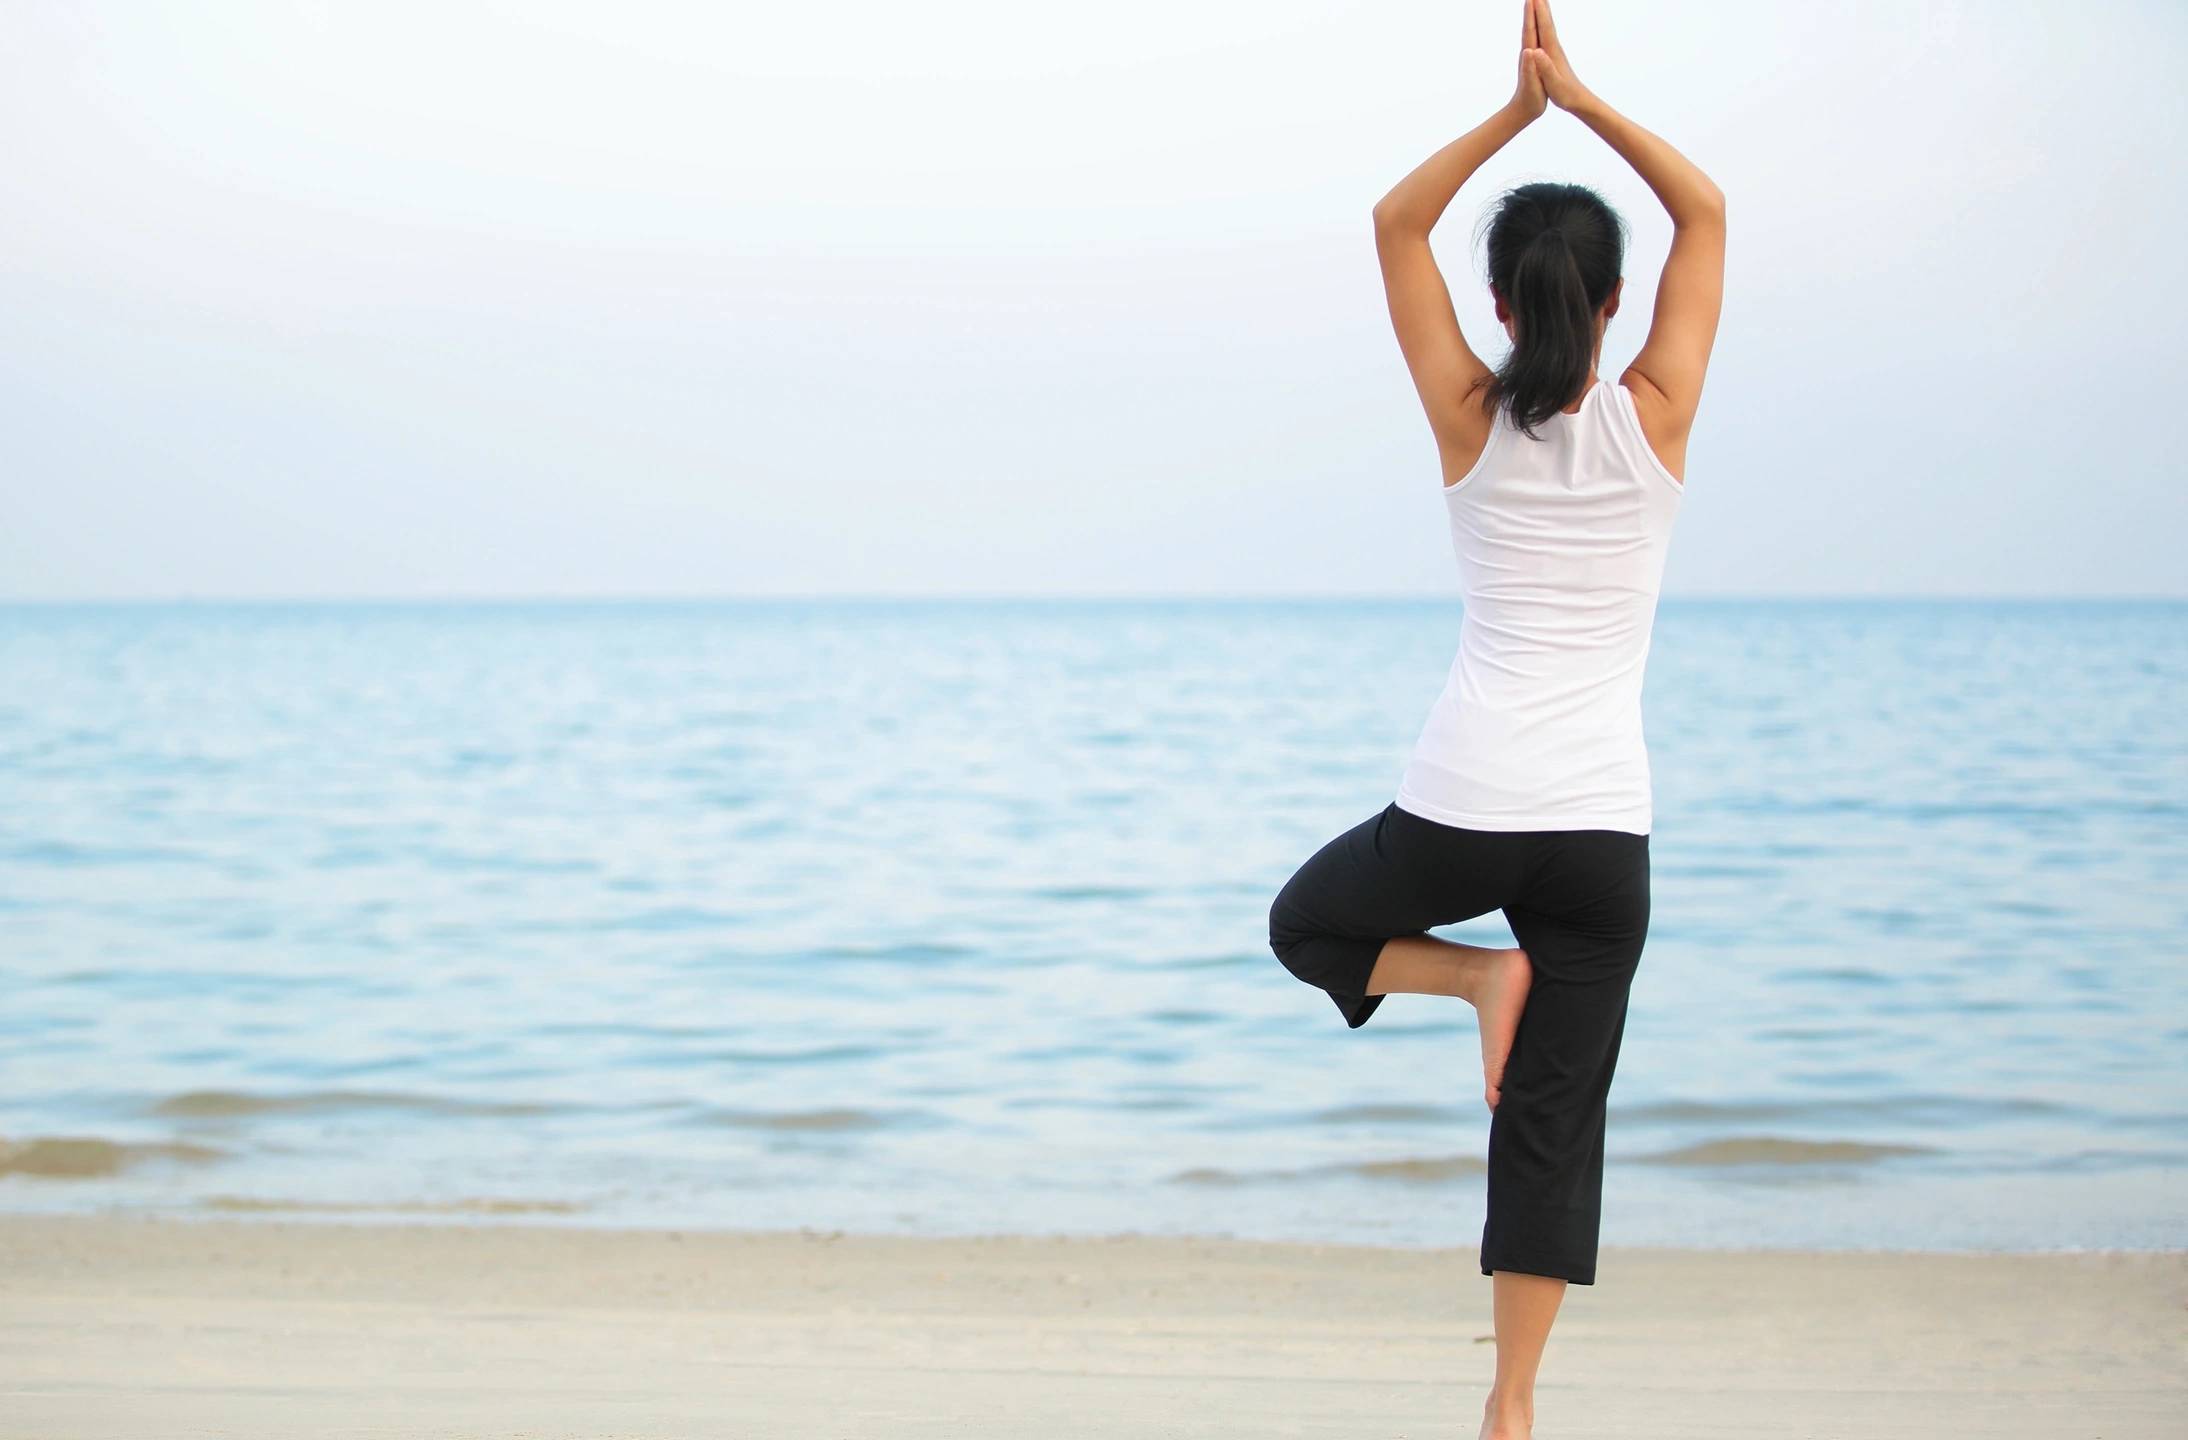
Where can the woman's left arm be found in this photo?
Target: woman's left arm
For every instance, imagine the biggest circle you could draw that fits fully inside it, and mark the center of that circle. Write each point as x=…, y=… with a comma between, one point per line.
x=1443, y=365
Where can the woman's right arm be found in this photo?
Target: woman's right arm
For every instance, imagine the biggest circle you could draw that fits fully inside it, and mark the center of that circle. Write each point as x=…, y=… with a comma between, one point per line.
x=1691, y=292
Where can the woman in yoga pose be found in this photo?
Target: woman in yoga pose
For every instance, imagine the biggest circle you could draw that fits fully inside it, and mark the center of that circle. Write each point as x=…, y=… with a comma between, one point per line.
x=1528, y=790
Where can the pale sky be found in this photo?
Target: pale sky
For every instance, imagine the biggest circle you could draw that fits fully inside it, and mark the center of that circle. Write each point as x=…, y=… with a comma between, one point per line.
x=982, y=298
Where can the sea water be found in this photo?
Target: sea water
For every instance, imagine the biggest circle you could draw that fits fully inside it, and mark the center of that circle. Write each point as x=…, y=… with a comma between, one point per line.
x=951, y=916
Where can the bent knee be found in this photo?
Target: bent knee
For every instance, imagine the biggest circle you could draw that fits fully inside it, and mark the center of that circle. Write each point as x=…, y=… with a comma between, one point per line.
x=1321, y=960
x=1284, y=923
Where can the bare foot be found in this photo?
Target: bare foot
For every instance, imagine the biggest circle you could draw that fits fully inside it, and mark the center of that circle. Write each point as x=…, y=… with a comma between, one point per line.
x=1498, y=1001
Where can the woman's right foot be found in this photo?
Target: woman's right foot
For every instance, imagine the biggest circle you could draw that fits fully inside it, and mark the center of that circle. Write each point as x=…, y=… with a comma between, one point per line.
x=1498, y=1001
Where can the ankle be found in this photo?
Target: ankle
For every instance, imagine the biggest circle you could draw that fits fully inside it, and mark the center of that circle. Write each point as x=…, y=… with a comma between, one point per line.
x=1510, y=1405
x=1476, y=966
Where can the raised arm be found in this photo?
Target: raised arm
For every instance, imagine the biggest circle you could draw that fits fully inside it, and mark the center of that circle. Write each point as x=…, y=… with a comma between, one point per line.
x=1444, y=367
x=1691, y=292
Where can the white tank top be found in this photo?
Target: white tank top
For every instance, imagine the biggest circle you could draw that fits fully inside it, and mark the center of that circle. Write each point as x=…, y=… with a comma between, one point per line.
x=1561, y=544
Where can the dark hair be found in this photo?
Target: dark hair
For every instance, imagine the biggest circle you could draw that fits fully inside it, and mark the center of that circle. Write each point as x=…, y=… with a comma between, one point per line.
x=1555, y=254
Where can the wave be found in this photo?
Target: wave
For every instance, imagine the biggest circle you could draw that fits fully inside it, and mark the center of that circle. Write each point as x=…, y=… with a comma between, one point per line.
x=222, y=1104
x=1387, y=1112
x=1090, y=892
x=1839, y=975
x=476, y=1206
x=831, y=1120
x=1775, y=1150
x=810, y=1055
x=88, y=1157
x=1419, y=1170
x=1897, y=1108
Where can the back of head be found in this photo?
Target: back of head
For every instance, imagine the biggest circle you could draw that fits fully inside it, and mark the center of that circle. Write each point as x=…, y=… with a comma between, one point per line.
x=1555, y=254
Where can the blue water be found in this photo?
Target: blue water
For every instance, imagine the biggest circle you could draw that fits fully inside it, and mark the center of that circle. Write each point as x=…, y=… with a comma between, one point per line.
x=949, y=917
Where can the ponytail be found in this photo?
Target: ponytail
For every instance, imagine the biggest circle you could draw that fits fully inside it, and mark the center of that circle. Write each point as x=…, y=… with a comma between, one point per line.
x=1555, y=254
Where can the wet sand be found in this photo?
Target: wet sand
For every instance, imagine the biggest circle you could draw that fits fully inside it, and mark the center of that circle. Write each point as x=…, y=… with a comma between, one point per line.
x=135, y=1327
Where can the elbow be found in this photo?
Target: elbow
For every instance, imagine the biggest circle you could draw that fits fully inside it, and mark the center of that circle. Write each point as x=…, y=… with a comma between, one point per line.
x=1709, y=206
x=1391, y=219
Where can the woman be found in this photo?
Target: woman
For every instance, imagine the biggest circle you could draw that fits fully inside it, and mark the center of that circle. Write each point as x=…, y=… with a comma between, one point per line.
x=1529, y=789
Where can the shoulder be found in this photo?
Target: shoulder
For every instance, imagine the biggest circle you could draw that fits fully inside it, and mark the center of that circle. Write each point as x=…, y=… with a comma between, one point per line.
x=1465, y=437
x=1665, y=423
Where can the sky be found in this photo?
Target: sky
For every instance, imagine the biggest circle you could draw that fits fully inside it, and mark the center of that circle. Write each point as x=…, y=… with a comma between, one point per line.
x=546, y=299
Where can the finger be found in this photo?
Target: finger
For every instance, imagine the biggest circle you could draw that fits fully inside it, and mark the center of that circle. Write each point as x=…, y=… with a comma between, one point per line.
x=1546, y=27
x=1527, y=24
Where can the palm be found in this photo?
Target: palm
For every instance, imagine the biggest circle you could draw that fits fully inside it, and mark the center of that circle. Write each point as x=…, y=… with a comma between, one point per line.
x=1530, y=96
x=1542, y=61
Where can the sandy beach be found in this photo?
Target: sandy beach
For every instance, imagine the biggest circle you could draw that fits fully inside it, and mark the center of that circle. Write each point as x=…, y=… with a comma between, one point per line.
x=128, y=1327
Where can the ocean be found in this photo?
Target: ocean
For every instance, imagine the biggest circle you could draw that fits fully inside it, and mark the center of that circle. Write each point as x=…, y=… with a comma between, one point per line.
x=949, y=917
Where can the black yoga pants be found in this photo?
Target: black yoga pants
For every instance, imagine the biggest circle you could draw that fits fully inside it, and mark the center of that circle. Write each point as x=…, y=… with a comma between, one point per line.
x=1578, y=904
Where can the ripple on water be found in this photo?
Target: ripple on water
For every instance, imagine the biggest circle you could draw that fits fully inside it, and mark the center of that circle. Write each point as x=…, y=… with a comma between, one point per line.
x=1838, y=975
x=1955, y=1110
x=227, y=1104
x=829, y=1119
x=471, y=1205
x=1779, y=1150
x=1414, y=1170
x=88, y=1157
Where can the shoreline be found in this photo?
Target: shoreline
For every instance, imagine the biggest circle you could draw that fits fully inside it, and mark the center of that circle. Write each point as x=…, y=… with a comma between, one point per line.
x=567, y=1217
x=117, y=1325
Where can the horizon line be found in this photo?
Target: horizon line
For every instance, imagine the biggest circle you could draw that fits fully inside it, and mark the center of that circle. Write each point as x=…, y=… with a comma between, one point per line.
x=1043, y=597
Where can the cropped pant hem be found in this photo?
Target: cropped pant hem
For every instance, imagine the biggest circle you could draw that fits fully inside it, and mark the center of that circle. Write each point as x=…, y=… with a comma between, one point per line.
x=1576, y=1272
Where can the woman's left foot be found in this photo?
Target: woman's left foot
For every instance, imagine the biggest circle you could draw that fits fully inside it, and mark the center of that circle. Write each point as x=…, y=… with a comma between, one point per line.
x=1497, y=1005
